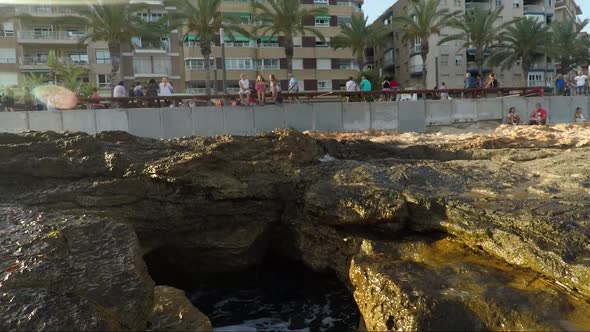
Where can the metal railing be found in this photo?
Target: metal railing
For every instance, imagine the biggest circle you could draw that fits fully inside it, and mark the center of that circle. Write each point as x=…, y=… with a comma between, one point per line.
x=51, y=35
x=317, y=96
x=7, y=60
x=40, y=10
x=28, y=60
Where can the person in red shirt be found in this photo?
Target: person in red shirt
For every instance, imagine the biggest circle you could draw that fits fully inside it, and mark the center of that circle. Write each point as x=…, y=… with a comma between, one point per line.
x=538, y=116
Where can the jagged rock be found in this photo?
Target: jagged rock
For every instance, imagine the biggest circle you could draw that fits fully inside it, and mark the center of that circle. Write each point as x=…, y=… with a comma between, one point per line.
x=440, y=285
x=174, y=312
x=219, y=205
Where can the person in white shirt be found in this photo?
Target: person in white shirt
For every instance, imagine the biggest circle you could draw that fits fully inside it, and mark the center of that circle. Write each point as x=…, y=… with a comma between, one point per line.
x=293, y=89
x=119, y=92
x=165, y=90
x=350, y=87
x=580, y=83
x=244, y=90
x=444, y=95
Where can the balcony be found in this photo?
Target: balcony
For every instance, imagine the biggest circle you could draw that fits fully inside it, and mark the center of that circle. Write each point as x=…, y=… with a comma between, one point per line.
x=50, y=37
x=42, y=61
x=348, y=4
x=415, y=49
x=45, y=11
x=7, y=34
x=416, y=70
x=533, y=10
x=478, y=5
x=7, y=60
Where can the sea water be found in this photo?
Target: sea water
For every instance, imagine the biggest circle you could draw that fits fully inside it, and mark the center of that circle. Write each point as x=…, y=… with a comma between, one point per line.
x=277, y=297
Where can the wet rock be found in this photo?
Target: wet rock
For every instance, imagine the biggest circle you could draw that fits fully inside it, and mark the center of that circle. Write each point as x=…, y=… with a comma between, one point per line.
x=425, y=284
x=172, y=311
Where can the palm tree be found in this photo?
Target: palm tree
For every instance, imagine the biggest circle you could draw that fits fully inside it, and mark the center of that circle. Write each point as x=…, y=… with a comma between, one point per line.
x=525, y=39
x=570, y=48
x=117, y=24
x=425, y=20
x=358, y=36
x=478, y=29
x=286, y=18
x=204, y=19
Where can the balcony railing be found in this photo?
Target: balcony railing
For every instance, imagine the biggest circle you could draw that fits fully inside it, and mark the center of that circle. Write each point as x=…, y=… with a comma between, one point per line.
x=43, y=10
x=473, y=5
x=415, y=49
x=348, y=4
x=7, y=60
x=36, y=61
x=416, y=69
x=8, y=33
x=146, y=45
x=533, y=9
x=52, y=35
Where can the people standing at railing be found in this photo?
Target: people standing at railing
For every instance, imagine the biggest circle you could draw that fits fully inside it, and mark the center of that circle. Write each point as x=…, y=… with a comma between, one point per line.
x=245, y=92
x=260, y=89
x=386, y=88
x=350, y=87
x=560, y=85
x=273, y=87
x=293, y=89
x=95, y=95
x=152, y=91
x=580, y=83
x=166, y=90
x=119, y=92
x=444, y=95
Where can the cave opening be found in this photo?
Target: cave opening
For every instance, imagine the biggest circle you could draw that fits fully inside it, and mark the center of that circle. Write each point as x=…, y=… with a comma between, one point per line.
x=278, y=294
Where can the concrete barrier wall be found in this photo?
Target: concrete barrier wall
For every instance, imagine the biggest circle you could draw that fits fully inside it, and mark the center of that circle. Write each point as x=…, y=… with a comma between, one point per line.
x=404, y=116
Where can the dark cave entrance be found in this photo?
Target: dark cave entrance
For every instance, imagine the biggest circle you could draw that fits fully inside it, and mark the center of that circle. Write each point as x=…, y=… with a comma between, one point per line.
x=279, y=294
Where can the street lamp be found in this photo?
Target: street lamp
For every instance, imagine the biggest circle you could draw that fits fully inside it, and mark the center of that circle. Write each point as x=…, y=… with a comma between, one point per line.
x=222, y=43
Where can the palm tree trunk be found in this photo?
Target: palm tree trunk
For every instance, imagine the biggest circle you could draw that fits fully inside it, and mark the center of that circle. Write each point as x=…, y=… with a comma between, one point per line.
x=525, y=71
x=289, y=50
x=360, y=62
x=115, y=52
x=424, y=56
x=206, y=51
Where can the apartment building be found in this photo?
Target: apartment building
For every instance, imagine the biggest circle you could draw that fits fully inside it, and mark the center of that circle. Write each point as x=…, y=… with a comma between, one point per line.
x=315, y=64
x=25, y=42
x=34, y=30
x=449, y=62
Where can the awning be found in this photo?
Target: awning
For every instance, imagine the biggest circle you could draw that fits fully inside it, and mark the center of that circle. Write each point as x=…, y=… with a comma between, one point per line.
x=192, y=37
x=238, y=38
x=471, y=51
x=265, y=39
x=45, y=71
x=240, y=15
x=324, y=17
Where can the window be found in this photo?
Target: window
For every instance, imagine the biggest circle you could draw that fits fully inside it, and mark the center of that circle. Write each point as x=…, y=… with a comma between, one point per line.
x=458, y=60
x=325, y=43
x=347, y=64
x=322, y=21
x=103, y=80
x=198, y=64
x=324, y=64
x=103, y=56
x=324, y=85
x=320, y=2
x=78, y=58
x=268, y=64
x=297, y=64
x=150, y=17
x=8, y=28
x=457, y=2
x=238, y=44
x=7, y=55
x=238, y=64
x=498, y=3
x=444, y=60
x=515, y=4
x=346, y=20
x=297, y=41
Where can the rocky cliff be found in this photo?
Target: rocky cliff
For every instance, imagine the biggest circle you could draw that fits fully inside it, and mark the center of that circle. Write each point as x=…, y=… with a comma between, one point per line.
x=436, y=232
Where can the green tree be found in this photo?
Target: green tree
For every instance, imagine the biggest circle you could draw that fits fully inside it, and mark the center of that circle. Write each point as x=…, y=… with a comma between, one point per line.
x=478, y=29
x=203, y=18
x=570, y=48
x=522, y=41
x=425, y=20
x=358, y=36
x=117, y=24
x=66, y=74
x=286, y=18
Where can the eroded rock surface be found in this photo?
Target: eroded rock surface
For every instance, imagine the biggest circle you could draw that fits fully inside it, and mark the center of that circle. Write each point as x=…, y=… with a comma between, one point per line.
x=429, y=231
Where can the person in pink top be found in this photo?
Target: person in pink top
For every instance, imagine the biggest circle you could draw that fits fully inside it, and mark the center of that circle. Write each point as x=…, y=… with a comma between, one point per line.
x=260, y=89
x=538, y=116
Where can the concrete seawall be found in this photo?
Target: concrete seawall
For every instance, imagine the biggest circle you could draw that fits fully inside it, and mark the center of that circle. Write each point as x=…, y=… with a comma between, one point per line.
x=404, y=116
